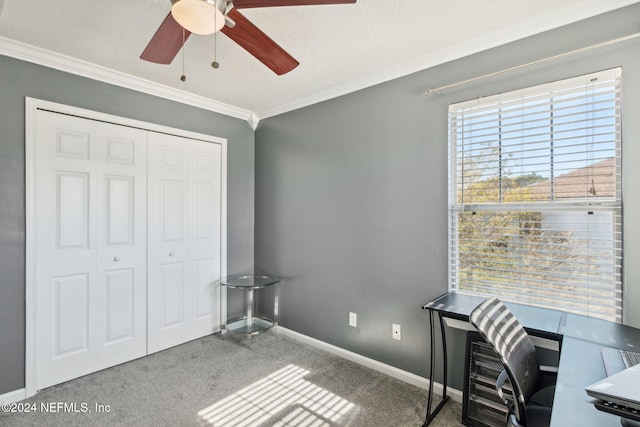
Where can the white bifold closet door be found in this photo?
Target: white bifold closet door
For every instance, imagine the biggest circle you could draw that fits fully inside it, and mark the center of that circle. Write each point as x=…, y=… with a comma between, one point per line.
x=184, y=240
x=90, y=246
x=126, y=243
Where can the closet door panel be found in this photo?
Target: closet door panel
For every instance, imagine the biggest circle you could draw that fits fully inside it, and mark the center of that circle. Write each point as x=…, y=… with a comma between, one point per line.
x=120, y=210
x=172, y=211
x=120, y=305
x=172, y=295
x=89, y=228
x=65, y=245
x=205, y=232
x=72, y=210
x=121, y=166
x=167, y=244
x=207, y=290
x=184, y=268
x=71, y=315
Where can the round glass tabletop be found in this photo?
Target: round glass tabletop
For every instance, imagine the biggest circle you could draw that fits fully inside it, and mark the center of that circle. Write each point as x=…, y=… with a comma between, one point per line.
x=249, y=281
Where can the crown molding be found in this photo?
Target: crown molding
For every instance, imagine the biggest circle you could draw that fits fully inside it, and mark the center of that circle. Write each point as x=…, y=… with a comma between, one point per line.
x=539, y=24
x=78, y=67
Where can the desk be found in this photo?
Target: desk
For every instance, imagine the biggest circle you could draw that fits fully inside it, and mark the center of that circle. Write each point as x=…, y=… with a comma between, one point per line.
x=581, y=339
x=581, y=365
x=250, y=324
x=602, y=332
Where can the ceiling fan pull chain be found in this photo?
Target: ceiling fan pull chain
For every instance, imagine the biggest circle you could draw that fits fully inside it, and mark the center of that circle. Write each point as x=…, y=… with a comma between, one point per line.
x=183, y=77
x=215, y=64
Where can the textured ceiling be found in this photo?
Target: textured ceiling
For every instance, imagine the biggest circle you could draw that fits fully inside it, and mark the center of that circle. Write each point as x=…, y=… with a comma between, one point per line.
x=340, y=47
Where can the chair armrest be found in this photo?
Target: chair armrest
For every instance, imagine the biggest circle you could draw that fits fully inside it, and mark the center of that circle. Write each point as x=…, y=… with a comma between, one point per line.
x=499, y=383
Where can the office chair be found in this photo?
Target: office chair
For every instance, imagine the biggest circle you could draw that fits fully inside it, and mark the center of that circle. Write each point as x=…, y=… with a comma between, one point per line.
x=532, y=392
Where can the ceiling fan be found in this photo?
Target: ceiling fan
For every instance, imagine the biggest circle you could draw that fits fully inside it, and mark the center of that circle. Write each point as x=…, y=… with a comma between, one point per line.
x=209, y=16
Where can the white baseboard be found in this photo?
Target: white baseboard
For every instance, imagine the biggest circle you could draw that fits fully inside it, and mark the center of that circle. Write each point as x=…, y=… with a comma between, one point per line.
x=392, y=371
x=13, y=396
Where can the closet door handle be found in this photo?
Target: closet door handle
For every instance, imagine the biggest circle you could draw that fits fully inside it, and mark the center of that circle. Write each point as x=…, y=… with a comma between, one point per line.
x=171, y=253
x=116, y=259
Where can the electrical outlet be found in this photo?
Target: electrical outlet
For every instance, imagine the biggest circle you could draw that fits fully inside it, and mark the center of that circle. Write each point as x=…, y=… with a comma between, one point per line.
x=353, y=319
x=396, y=332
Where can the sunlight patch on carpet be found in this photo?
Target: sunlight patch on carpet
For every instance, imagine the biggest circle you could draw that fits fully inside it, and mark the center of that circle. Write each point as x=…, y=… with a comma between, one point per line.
x=283, y=398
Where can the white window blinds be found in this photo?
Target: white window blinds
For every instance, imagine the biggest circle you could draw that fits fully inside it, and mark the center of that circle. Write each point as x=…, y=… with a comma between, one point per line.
x=535, y=196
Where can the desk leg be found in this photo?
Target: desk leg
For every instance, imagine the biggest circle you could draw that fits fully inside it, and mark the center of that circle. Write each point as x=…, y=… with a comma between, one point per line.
x=432, y=368
x=443, y=337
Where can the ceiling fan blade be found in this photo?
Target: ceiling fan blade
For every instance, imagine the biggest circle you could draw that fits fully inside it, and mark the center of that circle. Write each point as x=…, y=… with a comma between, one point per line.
x=245, y=4
x=166, y=42
x=258, y=44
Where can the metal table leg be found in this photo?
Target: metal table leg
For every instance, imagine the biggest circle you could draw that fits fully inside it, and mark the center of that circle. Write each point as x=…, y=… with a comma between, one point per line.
x=276, y=304
x=249, y=306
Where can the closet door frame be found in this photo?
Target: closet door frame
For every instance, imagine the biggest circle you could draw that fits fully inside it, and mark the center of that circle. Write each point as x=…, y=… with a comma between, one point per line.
x=32, y=105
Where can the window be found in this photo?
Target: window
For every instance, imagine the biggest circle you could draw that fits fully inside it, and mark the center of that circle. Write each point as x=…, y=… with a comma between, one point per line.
x=535, y=196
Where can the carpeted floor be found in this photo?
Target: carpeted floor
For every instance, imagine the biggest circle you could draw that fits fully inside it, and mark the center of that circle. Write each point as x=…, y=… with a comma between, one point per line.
x=268, y=380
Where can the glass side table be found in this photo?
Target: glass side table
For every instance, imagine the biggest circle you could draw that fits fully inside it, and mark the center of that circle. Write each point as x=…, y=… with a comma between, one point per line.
x=250, y=324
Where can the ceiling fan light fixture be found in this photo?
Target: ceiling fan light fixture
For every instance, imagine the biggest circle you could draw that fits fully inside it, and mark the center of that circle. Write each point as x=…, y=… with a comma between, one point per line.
x=198, y=16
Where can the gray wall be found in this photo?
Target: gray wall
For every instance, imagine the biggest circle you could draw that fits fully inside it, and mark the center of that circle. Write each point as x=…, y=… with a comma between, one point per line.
x=19, y=79
x=351, y=193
